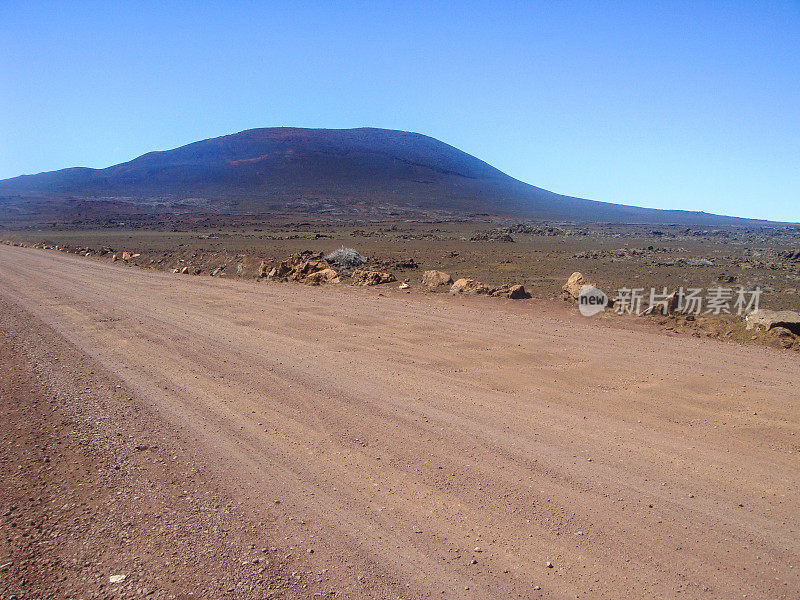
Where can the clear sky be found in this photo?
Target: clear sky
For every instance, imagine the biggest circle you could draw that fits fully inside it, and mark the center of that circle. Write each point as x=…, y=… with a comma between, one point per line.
x=692, y=105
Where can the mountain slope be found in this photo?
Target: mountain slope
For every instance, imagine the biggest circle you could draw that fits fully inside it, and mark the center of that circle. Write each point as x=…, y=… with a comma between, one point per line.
x=347, y=172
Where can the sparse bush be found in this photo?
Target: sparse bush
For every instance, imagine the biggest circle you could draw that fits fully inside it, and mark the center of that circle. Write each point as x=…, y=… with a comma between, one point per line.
x=346, y=257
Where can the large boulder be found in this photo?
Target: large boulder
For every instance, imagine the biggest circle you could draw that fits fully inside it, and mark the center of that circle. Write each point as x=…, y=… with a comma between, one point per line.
x=364, y=277
x=434, y=279
x=769, y=319
x=572, y=289
x=469, y=286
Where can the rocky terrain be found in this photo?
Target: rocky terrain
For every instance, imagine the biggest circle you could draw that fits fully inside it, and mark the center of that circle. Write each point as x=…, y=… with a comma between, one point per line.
x=488, y=258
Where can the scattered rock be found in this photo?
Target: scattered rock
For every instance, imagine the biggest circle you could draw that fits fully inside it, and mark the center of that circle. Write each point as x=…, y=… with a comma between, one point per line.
x=515, y=292
x=768, y=319
x=324, y=276
x=116, y=579
x=469, y=286
x=492, y=236
x=364, y=277
x=781, y=331
x=406, y=263
x=403, y=286
x=674, y=303
x=434, y=279
x=783, y=336
x=126, y=256
x=306, y=267
x=667, y=306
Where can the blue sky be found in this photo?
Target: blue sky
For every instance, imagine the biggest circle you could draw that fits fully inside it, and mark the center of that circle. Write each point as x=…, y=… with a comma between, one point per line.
x=691, y=105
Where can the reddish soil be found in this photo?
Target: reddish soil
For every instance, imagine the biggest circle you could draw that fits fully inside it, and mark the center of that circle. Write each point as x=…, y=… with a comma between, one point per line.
x=171, y=428
x=92, y=485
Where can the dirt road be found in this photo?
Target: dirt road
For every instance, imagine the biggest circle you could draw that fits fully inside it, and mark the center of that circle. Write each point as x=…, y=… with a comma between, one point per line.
x=424, y=446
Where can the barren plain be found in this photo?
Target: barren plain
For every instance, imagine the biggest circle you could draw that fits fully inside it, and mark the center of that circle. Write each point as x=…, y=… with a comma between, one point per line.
x=217, y=437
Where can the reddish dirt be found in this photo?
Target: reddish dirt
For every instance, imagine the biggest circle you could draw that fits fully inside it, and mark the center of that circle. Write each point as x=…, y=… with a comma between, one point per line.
x=92, y=485
x=421, y=446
